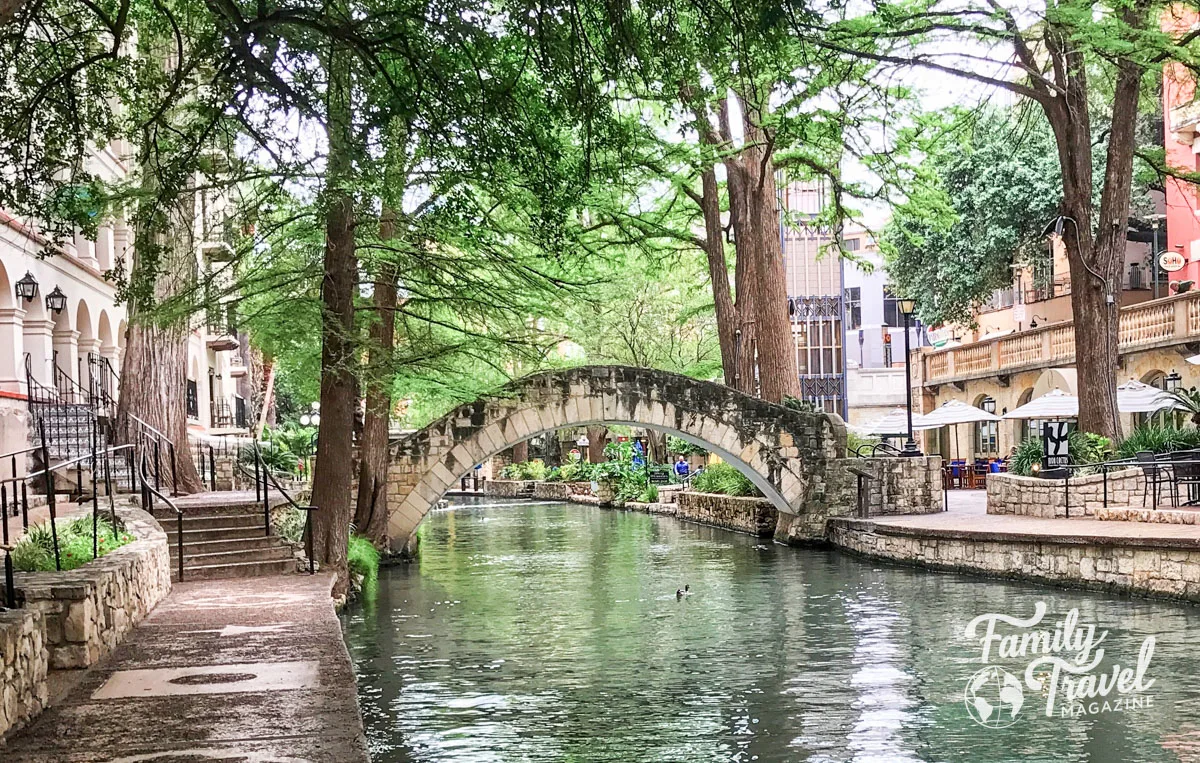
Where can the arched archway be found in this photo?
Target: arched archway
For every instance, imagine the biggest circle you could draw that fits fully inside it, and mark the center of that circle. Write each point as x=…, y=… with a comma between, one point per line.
x=7, y=295
x=1023, y=425
x=786, y=453
x=987, y=433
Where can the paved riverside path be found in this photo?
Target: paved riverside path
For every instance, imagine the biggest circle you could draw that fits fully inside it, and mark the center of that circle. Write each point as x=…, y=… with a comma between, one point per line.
x=228, y=670
x=967, y=517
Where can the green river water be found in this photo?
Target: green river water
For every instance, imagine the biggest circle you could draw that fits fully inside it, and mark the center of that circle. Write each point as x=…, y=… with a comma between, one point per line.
x=552, y=632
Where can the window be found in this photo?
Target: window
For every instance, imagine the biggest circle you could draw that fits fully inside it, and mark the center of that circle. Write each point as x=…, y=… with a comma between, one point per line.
x=891, y=309
x=193, y=402
x=987, y=433
x=853, y=307
x=239, y=412
x=852, y=244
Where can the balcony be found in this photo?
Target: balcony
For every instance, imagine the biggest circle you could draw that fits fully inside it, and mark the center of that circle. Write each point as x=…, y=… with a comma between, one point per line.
x=1150, y=325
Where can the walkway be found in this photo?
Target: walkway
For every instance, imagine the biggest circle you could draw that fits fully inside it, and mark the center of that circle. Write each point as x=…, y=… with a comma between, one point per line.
x=226, y=670
x=967, y=517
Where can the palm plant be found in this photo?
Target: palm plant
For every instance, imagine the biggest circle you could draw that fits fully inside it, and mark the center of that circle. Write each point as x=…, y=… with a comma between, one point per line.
x=1188, y=401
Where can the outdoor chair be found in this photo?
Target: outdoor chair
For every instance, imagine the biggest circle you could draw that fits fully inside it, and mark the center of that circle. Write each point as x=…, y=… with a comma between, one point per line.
x=1185, y=470
x=1155, y=474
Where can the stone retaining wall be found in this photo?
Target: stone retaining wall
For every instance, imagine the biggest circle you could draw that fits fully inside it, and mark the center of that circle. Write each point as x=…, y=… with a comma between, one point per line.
x=1121, y=565
x=509, y=488
x=24, y=665
x=560, y=491
x=79, y=617
x=756, y=516
x=897, y=485
x=1035, y=497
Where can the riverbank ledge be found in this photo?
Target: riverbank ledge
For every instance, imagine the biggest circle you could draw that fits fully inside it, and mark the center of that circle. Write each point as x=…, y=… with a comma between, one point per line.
x=71, y=620
x=1154, y=566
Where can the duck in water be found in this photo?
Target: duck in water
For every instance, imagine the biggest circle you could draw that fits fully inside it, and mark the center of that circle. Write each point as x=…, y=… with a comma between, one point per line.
x=681, y=592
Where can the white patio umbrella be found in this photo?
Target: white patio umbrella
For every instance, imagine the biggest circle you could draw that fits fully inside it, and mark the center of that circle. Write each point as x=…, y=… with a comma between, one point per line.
x=895, y=424
x=954, y=412
x=1135, y=397
x=1055, y=404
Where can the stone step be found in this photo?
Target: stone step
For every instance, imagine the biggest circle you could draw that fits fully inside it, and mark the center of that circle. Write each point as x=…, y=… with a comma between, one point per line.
x=192, y=546
x=214, y=533
x=236, y=570
x=167, y=519
x=239, y=556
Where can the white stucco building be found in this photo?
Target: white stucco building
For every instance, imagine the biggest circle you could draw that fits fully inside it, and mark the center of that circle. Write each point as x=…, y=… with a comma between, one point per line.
x=73, y=350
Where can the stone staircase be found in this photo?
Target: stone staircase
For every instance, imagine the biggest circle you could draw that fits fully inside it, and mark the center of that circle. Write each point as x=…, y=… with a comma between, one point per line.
x=223, y=540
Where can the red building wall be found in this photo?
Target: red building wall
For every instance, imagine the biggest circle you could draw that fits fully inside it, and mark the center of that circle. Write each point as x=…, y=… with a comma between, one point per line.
x=1182, y=199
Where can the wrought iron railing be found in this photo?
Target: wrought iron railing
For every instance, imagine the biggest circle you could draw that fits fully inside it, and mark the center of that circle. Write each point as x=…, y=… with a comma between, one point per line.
x=264, y=480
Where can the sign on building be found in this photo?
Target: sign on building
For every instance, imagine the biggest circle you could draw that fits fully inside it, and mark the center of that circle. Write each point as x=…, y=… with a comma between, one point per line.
x=1055, y=447
x=1171, y=261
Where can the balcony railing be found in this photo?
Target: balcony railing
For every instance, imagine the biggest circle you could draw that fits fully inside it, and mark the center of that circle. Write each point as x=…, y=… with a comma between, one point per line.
x=1158, y=323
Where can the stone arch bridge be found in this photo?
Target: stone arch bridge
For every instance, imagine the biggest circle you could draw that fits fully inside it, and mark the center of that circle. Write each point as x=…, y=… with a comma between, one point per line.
x=797, y=459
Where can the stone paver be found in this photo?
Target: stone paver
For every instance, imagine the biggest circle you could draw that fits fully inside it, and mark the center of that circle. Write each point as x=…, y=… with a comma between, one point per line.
x=967, y=516
x=230, y=670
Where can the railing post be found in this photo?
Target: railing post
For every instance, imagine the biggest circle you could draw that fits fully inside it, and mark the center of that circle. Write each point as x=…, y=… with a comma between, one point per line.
x=179, y=540
x=1104, y=471
x=4, y=506
x=212, y=469
x=95, y=498
x=10, y=591
x=174, y=473
x=308, y=540
x=157, y=466
x=50, y=496
x=266, y=497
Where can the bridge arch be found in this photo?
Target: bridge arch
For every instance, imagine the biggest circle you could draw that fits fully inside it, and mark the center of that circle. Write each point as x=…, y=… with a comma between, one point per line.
x=786, y=453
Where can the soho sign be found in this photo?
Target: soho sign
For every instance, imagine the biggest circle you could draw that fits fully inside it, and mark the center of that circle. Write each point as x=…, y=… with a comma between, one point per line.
x=1171, y=261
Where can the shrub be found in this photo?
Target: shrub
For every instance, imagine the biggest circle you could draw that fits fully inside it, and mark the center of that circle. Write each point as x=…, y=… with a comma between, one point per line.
x=649, y=495
x=723, y=479
x=526, y=470
x=34, y=552
x=1027, y=453
x=1158, y=438
x=1088, y=448
x=855, y=441
x=680, y=447
x=362, y=558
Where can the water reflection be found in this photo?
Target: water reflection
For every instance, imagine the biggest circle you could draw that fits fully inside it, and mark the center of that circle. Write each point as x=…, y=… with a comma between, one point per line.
x=552, y=633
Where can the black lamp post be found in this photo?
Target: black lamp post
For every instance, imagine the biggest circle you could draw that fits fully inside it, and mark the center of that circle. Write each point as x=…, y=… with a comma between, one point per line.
x=906, y=308
x=27, y=287
x=56, y=301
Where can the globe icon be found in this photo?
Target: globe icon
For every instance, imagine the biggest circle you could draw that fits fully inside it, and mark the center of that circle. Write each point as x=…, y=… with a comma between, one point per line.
x=994, y=697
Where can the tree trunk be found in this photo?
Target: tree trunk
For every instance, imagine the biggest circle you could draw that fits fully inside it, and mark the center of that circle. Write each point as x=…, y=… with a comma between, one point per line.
x=370, y=518
x=521, y=452
x=718, y=275
x=333, y=473
x=597, y=439
x=154, y=369
x=778, y=373
x=1096, y=256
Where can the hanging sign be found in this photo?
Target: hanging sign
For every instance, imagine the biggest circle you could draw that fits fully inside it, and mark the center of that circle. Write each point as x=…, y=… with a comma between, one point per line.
x=1171, y=261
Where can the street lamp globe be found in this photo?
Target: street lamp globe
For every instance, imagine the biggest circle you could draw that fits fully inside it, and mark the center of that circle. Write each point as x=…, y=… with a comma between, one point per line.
x=316, y=419
x=908, y=306
x=27, y=287
x=56, y=301
x=305, y=419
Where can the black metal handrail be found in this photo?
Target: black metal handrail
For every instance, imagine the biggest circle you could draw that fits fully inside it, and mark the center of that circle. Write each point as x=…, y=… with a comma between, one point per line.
x=264, y=480
x=873, y=449
x=149, y=493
